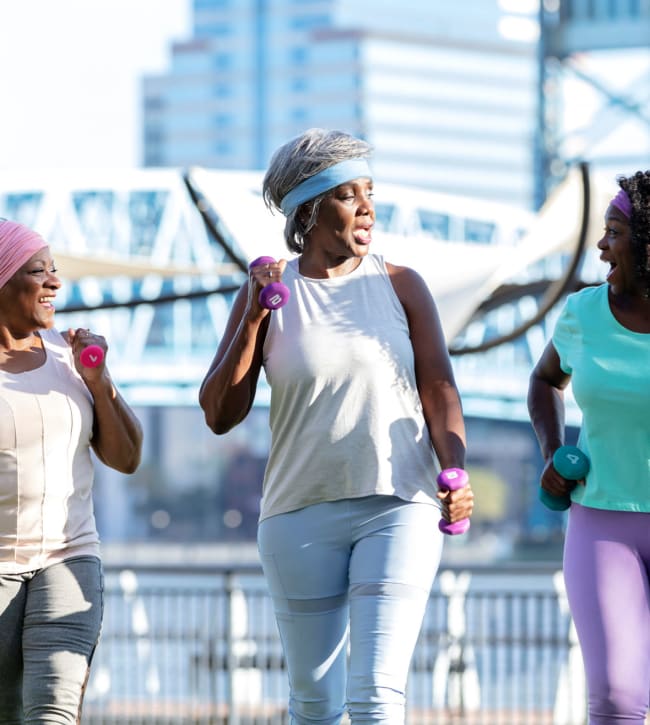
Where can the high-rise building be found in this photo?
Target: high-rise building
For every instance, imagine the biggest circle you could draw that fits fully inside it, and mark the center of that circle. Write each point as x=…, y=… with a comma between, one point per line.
x=445, y=92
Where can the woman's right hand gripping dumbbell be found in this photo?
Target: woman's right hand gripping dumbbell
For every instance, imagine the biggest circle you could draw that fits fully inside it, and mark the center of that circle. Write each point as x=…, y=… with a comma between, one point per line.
x=266, y=285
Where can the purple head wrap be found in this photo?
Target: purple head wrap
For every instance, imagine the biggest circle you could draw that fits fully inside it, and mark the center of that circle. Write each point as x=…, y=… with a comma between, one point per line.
x=622, y=202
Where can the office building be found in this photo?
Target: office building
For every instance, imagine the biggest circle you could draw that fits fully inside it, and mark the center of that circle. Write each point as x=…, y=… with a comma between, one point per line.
x=445, y=92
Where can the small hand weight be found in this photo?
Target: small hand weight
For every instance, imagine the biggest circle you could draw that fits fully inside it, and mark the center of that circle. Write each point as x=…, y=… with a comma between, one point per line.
x=274, y=294
x=571, y=463
x=451, y=479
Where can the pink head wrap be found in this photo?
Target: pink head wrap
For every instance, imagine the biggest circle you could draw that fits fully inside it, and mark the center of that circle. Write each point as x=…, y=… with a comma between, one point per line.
x=622, y=202
x=17, y=244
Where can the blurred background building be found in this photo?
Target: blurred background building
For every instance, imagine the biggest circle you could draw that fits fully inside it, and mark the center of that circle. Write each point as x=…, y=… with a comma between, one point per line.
x=485, y=98
x=425, y=85
x=493, y=101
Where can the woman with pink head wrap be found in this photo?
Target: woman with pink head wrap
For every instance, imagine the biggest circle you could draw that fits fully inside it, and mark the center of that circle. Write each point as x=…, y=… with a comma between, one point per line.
x=17, y=244
x=601, y=344
x=53, y=410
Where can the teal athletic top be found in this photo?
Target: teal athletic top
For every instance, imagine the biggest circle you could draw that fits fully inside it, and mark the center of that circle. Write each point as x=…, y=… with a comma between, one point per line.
x=610, y=377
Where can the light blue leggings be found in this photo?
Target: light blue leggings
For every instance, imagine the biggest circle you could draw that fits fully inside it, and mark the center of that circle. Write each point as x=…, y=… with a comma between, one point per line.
x=369, y=563
x=49, y=626
x=607, y=575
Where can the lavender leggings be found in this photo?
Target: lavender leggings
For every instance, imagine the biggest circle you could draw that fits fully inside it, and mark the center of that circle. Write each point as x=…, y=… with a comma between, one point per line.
x=607, y=575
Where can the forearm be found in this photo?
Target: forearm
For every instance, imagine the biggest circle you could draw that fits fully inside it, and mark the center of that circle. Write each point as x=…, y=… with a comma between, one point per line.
x=117, y=433
x=446, y=425
x=228, y=390
x=547, y=415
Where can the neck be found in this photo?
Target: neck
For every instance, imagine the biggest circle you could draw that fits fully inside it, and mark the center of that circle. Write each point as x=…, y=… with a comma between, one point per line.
x=631, y=310
x=10, y=340
x=319, y=265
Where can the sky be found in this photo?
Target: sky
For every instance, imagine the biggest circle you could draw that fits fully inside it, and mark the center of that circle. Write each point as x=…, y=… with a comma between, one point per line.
x=69, y=78
x=70, y=73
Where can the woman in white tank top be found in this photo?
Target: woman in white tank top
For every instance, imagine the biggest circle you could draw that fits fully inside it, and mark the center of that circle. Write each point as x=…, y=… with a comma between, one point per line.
x=53, y=410
x=364, y=414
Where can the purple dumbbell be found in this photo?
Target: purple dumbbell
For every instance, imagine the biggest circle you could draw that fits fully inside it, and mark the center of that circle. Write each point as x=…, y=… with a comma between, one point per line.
x=273, y=295
x=451, y=479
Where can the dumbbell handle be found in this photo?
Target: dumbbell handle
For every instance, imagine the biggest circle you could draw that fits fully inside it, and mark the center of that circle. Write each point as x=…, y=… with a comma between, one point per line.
x=91, y=356
x=273, y=295
x=451, y=479
x=571, y=463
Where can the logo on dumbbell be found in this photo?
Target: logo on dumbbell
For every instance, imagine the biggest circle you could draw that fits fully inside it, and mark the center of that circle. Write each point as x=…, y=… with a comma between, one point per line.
x=274, y=300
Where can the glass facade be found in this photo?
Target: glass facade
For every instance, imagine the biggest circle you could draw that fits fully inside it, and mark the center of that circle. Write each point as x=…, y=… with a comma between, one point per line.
x=447, y=101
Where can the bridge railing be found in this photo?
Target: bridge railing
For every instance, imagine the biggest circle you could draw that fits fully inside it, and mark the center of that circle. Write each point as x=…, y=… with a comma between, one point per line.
x=199, y=645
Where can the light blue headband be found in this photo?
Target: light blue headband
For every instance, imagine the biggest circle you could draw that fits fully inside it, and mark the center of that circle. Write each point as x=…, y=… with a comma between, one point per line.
x=324, y=181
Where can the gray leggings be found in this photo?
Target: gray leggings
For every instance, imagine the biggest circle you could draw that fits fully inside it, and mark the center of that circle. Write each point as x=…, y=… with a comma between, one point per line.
x=49, y=626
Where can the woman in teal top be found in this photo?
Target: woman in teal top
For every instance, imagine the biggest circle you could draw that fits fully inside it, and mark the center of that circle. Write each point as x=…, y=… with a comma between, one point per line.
x=601, y=344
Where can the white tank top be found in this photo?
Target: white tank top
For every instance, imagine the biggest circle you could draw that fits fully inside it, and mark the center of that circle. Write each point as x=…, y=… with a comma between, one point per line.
x=46, y=470
x=346, y=418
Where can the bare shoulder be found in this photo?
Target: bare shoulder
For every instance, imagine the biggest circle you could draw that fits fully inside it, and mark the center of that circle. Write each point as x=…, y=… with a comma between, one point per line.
x=408, y=284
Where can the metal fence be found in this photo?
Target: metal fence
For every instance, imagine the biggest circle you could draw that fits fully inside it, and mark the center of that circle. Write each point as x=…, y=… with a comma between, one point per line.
x=200, y=645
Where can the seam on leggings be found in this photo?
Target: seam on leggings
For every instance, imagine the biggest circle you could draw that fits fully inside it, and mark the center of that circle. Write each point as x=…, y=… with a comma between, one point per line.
x=317, y=606
x=389, y=589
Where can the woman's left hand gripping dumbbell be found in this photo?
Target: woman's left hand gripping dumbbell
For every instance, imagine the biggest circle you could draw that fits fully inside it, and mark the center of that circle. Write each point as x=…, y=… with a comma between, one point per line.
x=457, y=501
x=266, y=285
x=89, y=352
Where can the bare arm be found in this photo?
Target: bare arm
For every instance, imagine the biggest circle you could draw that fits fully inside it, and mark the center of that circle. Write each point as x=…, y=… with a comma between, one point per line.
x=441, y=402
x=228, y=389
x=117, y=433
x=546, y=410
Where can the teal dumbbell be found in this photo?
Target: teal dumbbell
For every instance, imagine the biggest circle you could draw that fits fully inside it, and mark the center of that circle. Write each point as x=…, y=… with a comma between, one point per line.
x=571, y=463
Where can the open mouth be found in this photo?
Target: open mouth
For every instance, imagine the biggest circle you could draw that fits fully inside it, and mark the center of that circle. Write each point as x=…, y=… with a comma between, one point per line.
x=362, y=235
x=47, y=301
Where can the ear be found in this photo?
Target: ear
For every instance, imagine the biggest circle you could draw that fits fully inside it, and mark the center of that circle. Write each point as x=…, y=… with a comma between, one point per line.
x=304, y=213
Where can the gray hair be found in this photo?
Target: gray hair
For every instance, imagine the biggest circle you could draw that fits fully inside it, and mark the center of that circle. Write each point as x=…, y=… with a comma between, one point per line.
x=305, y=155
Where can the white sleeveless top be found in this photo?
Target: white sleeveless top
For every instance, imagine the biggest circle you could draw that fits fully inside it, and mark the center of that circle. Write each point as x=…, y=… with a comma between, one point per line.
x=46, y=471
x=346, y=418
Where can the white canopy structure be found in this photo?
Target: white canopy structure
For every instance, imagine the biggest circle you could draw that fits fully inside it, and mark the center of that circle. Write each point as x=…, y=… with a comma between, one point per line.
x=485, y=245
x=134, y=238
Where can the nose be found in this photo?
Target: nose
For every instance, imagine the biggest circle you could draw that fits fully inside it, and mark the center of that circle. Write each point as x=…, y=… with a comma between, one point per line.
x=52, y=280
x=367, y=206
x=602, y=242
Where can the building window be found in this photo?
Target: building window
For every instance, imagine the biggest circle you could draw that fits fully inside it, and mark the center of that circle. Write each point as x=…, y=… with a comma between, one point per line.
x=154, y=103
x=384, y=216
x=433, y=223
x=222, y=90
x=210, y=4
x=222, y=61
x=299, y=85
x=480, y=232
x=298, y=55
x=308, y=22
x=223, y=120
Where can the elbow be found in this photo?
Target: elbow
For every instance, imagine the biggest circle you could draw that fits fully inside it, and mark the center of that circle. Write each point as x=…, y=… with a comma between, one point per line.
x=217, y=425
x=126, y=464
x=215, y=418
x=130, y=466
x=210, y=415
x=132, y=462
